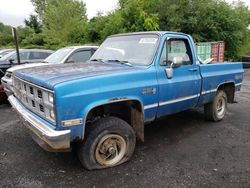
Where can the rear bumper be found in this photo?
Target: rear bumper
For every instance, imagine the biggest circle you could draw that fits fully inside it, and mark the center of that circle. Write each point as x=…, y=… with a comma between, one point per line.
x=48, y=138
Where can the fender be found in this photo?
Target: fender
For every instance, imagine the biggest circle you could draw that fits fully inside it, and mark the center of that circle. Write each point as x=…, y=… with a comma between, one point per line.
x=139, y=129
x=226, y=82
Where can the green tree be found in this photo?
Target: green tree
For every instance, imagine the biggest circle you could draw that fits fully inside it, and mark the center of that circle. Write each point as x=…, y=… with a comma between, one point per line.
x=5, y=35
x=136, y=15
x=95, y=28
x=64, y=21
x=131, y=16
x=208, y=20
x=33, y=23
x=40, y=6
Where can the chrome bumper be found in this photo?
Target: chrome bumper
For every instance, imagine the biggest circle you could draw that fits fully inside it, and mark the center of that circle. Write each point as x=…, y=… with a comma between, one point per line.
x=48, y=138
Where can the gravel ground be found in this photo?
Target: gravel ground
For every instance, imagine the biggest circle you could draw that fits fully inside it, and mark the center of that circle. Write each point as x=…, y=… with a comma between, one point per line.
x=182, y=150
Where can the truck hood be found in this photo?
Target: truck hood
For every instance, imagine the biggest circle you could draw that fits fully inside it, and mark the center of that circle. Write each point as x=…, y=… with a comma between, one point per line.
x=50, y=75
x=17, y=67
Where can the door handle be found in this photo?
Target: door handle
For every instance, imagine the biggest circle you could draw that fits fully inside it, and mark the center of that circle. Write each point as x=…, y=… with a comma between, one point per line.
x=193, y=69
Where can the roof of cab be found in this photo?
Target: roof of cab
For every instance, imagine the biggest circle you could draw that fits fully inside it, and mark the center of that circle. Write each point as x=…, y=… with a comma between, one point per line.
x=34, y=50
x=149, y=32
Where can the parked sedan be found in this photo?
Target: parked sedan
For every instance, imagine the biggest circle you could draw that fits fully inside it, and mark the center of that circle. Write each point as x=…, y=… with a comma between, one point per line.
x=73, y=54
x=26, y=56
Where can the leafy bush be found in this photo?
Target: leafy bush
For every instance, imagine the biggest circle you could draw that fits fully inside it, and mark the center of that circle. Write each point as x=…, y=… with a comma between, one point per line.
x=61, y=23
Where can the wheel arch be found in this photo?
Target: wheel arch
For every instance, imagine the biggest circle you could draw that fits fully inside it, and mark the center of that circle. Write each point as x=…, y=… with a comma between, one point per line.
x=229, y=89
x=116, y=107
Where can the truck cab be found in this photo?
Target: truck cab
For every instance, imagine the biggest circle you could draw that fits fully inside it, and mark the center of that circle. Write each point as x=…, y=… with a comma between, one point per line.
x=131, y=80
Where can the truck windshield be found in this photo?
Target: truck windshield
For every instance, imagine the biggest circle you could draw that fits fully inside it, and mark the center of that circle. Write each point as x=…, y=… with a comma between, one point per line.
x=134, y=49
x=57, y=56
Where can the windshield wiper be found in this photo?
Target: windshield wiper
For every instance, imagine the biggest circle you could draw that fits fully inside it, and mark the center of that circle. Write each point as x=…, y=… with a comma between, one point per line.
x=99, y=60
x=121, y=62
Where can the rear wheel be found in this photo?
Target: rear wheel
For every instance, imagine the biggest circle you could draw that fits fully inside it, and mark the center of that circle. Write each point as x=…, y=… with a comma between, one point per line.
x=216, y=110
x=109, y=142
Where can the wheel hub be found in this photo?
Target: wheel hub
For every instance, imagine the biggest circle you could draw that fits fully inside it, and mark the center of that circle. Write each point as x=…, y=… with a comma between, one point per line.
x=110, y=150
x=220, y=106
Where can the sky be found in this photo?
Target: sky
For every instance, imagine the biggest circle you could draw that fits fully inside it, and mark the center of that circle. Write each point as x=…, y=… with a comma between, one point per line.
x=13, y=12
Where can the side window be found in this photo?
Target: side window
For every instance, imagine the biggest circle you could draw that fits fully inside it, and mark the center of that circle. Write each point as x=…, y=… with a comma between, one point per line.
x=14, y=57
x=93, y=50
x=35, y=55
x=80, y=56
x=176, y=49
x=44, y=55
x=23, y=56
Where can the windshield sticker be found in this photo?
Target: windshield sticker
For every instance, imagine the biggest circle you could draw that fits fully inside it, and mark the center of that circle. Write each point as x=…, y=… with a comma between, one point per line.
x=148, y=40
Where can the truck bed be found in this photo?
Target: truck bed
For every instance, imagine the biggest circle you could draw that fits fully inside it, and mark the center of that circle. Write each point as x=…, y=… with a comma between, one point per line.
x=214, y=75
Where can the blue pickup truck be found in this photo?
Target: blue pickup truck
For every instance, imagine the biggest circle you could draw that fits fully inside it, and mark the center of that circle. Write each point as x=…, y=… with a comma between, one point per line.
x=131, y=80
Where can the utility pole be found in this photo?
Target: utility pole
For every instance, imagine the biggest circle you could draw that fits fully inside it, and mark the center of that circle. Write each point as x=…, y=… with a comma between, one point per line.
x=16, y=44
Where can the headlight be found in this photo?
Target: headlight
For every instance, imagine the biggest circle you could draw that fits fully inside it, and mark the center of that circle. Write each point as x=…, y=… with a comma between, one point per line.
x=51, y=98
x=8, y=74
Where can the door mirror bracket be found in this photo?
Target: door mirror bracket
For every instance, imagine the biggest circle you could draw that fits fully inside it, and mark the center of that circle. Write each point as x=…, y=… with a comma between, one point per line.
x=177, y=62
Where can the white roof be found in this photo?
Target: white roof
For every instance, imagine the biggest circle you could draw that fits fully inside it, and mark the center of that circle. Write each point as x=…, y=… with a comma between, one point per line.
x=77, y=47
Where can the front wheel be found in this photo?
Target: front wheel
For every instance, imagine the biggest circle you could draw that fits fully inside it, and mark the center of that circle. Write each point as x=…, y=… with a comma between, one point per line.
x=109, y=142
x=216, y=110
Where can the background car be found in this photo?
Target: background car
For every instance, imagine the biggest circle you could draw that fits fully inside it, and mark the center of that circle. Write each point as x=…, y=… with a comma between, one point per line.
x=72, y=54
x=4, y=52
x=26, y=56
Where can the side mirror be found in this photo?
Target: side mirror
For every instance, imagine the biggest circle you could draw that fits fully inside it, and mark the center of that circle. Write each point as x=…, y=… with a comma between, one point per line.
x=11, y=61
x=169, y=72
x=177, y=62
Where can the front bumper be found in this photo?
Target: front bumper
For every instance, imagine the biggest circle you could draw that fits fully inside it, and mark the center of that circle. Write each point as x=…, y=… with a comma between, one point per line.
x=7, y=84
x=48, y=138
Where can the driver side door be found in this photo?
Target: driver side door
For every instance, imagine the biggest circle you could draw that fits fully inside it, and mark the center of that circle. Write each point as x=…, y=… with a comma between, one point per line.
x=182, y=91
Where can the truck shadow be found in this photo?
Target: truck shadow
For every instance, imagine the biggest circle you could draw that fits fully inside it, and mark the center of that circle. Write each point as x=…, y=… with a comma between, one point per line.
x=165, y=132
x=181, y=124
x=166, y=142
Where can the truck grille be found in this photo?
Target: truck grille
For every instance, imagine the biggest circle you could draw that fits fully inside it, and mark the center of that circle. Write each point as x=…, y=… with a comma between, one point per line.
x=39, y=94
x=33, y=97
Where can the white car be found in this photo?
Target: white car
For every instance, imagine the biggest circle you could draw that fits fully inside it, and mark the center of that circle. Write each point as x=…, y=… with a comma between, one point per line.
x=72, y=54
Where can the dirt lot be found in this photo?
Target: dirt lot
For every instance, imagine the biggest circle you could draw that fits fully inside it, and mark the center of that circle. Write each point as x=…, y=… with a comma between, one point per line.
x=183, y=150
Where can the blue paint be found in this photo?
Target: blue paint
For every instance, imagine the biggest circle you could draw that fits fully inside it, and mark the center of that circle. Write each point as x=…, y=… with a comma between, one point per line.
x=78, y=88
